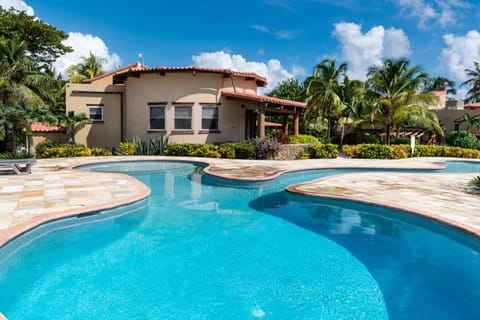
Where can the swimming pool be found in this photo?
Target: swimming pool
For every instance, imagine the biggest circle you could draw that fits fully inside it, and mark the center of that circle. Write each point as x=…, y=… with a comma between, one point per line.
x=200, y=249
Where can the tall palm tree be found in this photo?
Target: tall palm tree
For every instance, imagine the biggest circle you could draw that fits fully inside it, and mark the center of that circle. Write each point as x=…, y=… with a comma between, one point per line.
x=473, y=94
x=470, y=120
x=395, y=85
x=21, y=80
x=351, y=98
x=89, y=68
x=321, y=91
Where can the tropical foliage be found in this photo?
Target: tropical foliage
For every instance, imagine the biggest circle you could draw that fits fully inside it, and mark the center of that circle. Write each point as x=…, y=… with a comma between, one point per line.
x=473, y=83
x=89, y=68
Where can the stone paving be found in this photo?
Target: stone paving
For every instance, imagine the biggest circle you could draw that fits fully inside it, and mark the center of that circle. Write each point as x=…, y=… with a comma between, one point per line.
x=54, y=189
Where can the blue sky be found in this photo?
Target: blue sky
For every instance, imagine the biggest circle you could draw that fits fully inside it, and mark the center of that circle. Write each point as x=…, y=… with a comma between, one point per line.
x=275, y=38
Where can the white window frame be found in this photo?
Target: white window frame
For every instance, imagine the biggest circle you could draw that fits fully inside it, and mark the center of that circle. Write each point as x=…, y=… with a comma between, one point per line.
x=90, y=113
x=217, y=118
x=175, y=118
x=164, y=117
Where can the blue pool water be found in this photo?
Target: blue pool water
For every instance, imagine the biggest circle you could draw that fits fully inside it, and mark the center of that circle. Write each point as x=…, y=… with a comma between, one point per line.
x=208, y=248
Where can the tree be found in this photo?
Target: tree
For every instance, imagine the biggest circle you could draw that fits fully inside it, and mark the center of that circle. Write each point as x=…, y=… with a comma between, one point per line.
x=470, y=120
x=89, y=68
x=473, y=94
x=43, y=42
x=395, y=85
x=351, y=98
x=439, y=84
x=21, y=81
x=289, y=89
x=321, y=91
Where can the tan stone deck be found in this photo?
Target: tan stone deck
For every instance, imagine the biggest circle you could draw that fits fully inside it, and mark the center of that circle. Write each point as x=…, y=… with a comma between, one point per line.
x=54, y=189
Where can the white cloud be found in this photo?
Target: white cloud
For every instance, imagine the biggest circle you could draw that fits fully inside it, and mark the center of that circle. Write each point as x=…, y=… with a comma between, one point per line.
x=272, y=70
x=442, y=12
x=362, y=51
x=17, y=4
x=279, y=34
x=82, y=45
x=460, y=53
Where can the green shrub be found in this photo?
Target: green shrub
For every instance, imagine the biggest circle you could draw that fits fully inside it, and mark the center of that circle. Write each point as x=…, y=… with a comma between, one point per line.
x=400, y=151
x=303, y=138
x=56, y=150
x=13, y=156
x=372, y=151
x=304, y=155
x=181, y=149
x=126, y=148
x=349, y=150
x=402, y=140
x=98, y=152
x=206, y=151
x=241, y=150
x=462, y=139
x=322, y=151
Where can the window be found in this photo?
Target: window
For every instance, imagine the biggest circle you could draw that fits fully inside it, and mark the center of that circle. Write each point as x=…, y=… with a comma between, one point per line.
x=95, y=113
x=210, y=118
x=456, y=126
x=157, y=118
x=183, y=118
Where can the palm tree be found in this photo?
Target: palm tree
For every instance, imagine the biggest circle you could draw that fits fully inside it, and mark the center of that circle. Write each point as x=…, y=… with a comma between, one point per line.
x=321, y=91
x=440, y=83
x=289, y=89
x=470, y=120
x=395, y=85
x=89, y=68
x=473, y=94
x=21, y=81
x=350, y=94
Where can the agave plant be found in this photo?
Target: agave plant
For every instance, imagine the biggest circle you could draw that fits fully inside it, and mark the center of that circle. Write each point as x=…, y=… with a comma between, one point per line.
x=150, y=147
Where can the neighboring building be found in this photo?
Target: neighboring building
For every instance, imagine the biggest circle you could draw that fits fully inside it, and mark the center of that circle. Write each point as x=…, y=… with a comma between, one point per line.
x=187, y=104
x=452, y=111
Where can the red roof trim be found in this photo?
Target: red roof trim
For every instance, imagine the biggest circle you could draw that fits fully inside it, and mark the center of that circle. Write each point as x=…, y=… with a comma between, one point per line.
x=136, y=66
x=42, y=127
x=261, y=81
x=264, y=99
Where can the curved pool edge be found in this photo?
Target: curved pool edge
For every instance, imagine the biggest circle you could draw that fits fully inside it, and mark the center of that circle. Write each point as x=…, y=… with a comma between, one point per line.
x=308, y=189
x=15, y=231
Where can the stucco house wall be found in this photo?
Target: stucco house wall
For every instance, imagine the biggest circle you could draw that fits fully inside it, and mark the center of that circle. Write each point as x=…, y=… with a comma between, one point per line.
x=106, y=133
x=448, y=119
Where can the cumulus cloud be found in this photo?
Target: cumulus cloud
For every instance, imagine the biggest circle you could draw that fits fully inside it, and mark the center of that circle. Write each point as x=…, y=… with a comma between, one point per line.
x=82, y=45
x=272, y=70
x=363, y=50
x=17, y=4
x=442, y=12
x=460, y=53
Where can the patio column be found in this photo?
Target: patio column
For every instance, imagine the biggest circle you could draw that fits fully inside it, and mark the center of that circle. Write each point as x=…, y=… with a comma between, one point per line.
x=261, y=122
x=285, y=124
x=296, y=123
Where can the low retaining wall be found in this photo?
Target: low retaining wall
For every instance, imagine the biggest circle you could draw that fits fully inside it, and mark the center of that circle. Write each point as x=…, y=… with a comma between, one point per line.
x=290, y=151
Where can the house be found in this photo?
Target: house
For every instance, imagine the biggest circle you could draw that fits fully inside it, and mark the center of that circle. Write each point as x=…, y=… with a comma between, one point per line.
x=187, y=104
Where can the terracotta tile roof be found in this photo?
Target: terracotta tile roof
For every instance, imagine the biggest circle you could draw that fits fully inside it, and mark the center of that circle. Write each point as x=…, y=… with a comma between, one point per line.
x=261, y=81
x=42, y=127
x=259, y=98
x=136, y=66
x=472, y=105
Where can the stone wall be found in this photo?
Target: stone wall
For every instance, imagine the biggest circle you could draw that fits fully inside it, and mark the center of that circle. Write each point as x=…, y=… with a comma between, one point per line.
x=290, y=151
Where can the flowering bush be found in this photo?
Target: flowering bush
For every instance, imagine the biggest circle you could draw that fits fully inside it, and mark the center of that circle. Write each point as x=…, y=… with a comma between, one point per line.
x=265, y=147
